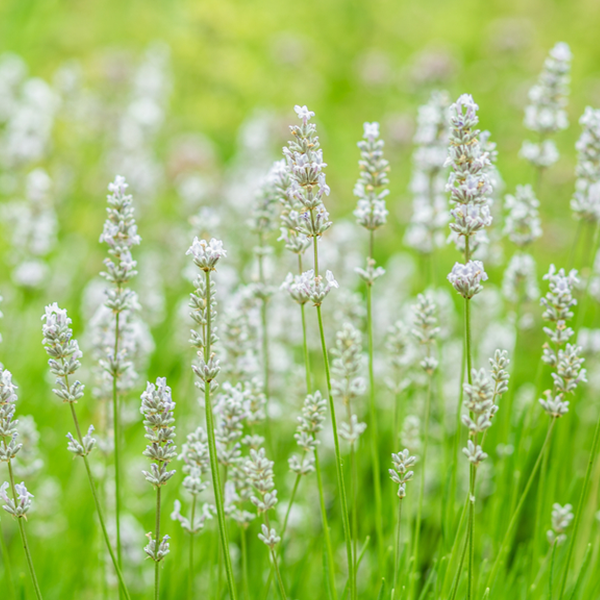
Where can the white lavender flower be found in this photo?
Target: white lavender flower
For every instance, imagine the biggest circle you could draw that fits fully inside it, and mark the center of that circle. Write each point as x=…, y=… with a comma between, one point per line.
x=231, y=410
x=585, y=203
x=85, y=447
x=466, y=279
x=18, y=508
x=430, y=205
x=63, y=351
x=269, y=537
x=315, y=288
x=295, y=286
x=562, y=516
x=474, y=453
x=157, y=408
x=310, y=422
x=425, y=329
x=498, y=372
x=259, y=470
x=401, y=474
x=468, y=183
x=8, y=426
x=479, y=401
x=522, y=225
x=163, y=548
x=545, y=113
x=371, y=212
x=352, y=430
x=206, y=254
x=397, y=344
x=347, y=364
x=370, y=273
x=307, y=188
x=519, y=283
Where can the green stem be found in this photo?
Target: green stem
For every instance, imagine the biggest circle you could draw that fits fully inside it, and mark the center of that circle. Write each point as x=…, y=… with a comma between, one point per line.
x=580, y=504
x=338, y=454
x=513, y=520
x=471, y=529
x=373, y=434
x=459, y=570
x=114, y=559
x=338, y=462
x=117, y=443
x=244, y=562
x=156, y=544
x=278, y=573
x=214, y=466
x=34, y=580
x=421, y=488
x=263, y=317
x=550, y=579
x=191, y=557
x=455, y=543
x=397, y=548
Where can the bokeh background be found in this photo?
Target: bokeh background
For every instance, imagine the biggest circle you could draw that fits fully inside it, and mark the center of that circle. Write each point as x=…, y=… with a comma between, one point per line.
x=191, y=102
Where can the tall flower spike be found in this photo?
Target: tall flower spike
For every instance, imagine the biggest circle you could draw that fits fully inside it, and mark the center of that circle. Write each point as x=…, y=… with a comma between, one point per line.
x=466, y=279
x=425, y=329
x=562, y=516
x=585, y=203
x=310, y=422
x=401, y=474
x=157, y=408
x=520, y=280
x=545, y=114
x=428, y=182
x=371, y=212
x=523, y=225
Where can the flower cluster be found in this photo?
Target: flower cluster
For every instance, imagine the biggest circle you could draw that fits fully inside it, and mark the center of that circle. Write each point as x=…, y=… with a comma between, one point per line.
x=466, y=279
x=520, y=281
x=425, y=330
x=481, y=396
x=468, y=182
x=567, y=362
x=397, y=344
x=522, y=225
x=231, y=410
x=305, y=287
x=400, y=474
x=371, y=212
x=9, y=448
x=120, y=234
x=310, y=422
x=304, y=158
x=545, y=113
x=157, y=408
x=196, y=463
x=202, y=302
x=585, y=203
x=430, y=205
x=561, y=519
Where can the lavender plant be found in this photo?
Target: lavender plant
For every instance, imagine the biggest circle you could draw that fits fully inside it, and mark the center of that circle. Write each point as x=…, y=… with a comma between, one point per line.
x=64, y=355
x=206, y=255
x=157, y=409
x=120, y=234
x=19, y=502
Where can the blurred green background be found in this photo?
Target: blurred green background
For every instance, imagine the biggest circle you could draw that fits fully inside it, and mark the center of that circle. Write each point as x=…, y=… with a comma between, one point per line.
x=350, y=62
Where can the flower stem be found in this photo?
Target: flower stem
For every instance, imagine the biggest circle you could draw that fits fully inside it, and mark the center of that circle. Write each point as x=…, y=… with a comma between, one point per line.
x=212, y=445
x=98, y=507
x=422, y=488
x=397, y=548
x=191, y=567
x=117, y=443
x=34, y=580
x=156, y=544
x=550, y=579
x=373, y=433
x=580, y=504
x=244, y=562
x=263, y=318
x=513, y=520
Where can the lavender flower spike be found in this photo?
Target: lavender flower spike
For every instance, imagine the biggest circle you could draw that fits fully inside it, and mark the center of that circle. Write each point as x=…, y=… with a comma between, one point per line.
x=466, y=279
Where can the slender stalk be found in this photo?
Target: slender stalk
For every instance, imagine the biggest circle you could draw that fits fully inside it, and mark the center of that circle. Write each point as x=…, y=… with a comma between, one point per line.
x=580, y=505
x=117, y=443
x=191, y=557
x=455, y=543
x=422, y=488
x=214, y=466
x=397, y=548
x=114, y=559
x=471, y=530
x=156, y=543
x=550, y=579
x=513, y=520
x=459, y=570
x=338, y=463
x=373, y=422
x=338, y=454
x=278, y=573
x=34, y=580
x=244, y=562
x=324, y=521
x=7, y=566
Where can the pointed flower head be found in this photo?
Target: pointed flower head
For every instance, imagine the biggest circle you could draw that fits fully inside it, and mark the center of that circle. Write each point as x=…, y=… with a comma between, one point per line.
x=466, y=279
